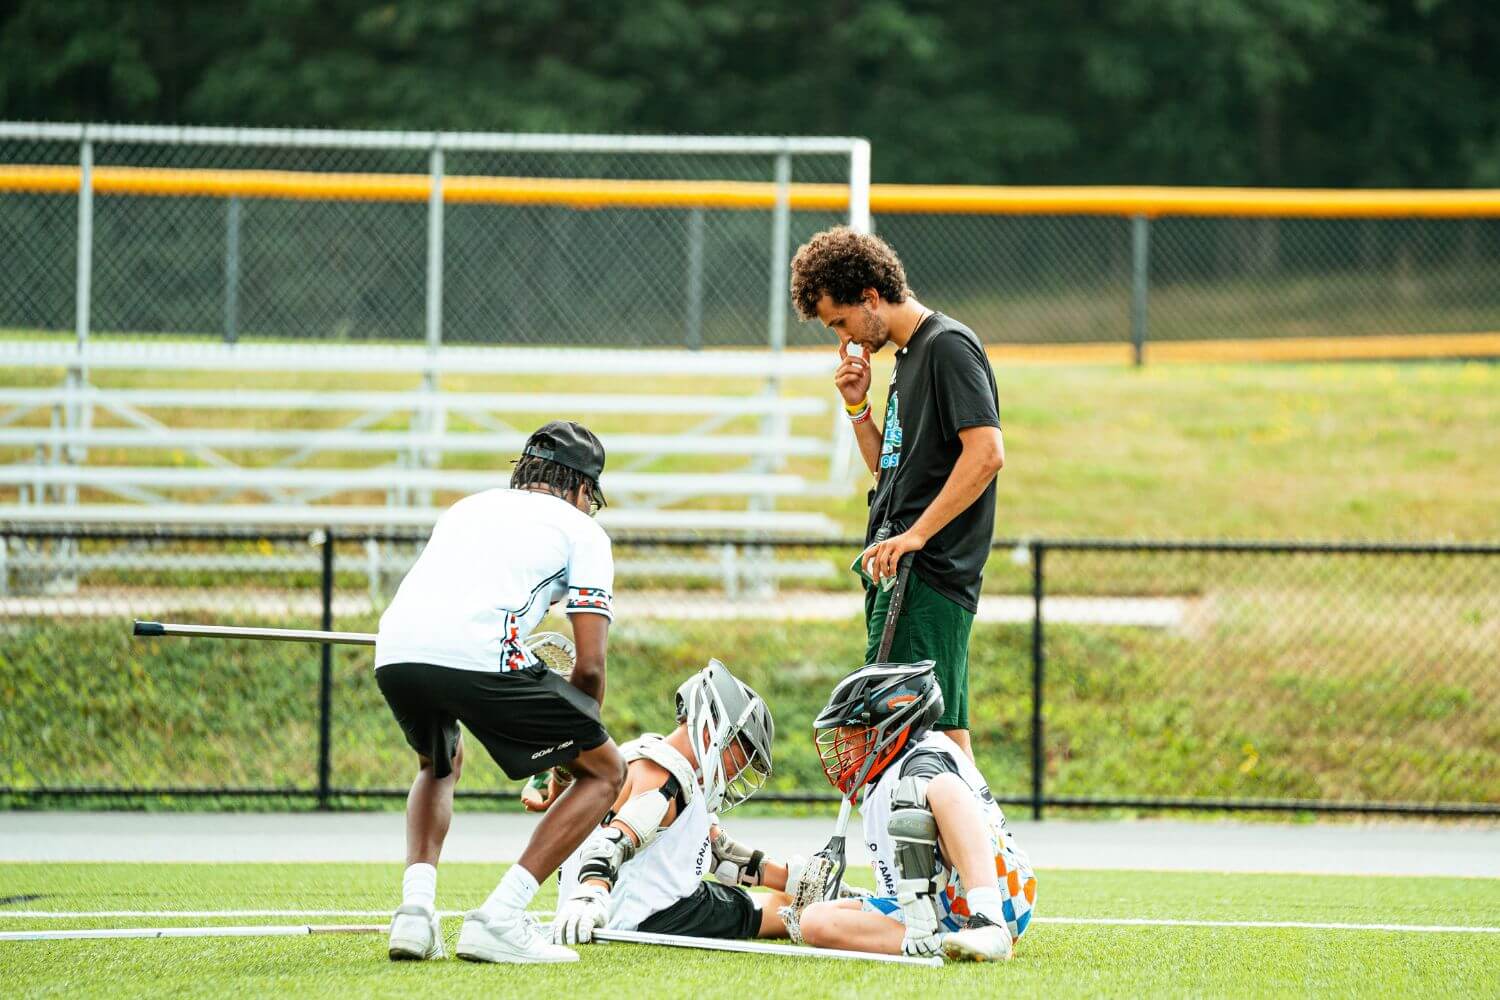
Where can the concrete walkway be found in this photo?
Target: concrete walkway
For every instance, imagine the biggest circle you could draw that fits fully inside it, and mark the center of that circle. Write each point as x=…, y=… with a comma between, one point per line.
x=1333, y=848
x=223, y=607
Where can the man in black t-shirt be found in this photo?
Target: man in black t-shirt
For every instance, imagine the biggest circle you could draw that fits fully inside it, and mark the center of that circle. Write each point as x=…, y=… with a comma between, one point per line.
x=934, y=455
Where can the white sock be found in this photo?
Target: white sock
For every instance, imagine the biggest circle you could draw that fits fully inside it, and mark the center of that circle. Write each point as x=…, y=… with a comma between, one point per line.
x=419, y=885
x=988, y=901
x=514, y=892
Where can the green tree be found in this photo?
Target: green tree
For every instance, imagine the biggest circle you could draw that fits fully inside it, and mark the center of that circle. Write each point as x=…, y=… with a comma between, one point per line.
x=1315, y=92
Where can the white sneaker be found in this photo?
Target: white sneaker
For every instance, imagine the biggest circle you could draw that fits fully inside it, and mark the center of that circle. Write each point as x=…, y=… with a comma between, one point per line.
x=416, y=934
x=512, y=936
x=982, y=940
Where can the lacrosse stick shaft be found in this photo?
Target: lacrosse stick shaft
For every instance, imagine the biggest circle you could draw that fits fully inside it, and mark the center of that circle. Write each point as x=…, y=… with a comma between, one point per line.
x=836, y=847
x=758, y=948
x=240, y=632
x=893, y=610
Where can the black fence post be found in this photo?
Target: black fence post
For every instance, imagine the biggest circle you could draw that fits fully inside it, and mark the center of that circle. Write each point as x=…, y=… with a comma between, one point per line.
x=325, y=680
x=1038, y=671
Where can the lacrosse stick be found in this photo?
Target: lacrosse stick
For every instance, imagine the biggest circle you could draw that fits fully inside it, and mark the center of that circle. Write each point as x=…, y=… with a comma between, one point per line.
x=237, y=632
x=557, y=654
x=833, y=852
x=553, y=649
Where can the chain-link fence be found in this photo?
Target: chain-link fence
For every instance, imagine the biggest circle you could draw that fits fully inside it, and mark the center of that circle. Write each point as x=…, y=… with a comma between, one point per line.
x=1102, y=674
x=1030, y=279
x=679, y=242
x=451, y=238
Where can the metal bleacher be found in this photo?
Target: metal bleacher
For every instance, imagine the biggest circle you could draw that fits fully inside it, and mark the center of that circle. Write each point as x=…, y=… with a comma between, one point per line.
x=163, y=455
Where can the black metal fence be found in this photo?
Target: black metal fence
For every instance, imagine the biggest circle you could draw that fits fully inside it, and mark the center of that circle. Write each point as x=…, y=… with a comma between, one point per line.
x=1103, y=674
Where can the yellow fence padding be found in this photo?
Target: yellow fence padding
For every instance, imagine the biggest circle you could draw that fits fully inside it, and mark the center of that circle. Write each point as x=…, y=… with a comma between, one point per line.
x=884, y=198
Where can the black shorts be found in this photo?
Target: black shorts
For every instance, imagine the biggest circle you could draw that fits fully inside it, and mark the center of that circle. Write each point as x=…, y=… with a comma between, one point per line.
x=528, y=720
x=714, y=910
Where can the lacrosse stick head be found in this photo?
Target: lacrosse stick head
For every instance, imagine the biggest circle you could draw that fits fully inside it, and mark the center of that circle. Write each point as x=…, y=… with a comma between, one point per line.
x=872, y=715
x=554, y=650
x=731, y=731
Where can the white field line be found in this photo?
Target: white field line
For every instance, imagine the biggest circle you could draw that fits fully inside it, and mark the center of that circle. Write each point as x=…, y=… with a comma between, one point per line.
x=1293, y=924
x=1080, y=921
x=170, y=914
x=273, y=930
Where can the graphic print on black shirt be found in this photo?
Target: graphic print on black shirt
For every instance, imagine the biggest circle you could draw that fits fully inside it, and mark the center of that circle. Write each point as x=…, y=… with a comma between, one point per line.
x=890, y=444
x=942, y=384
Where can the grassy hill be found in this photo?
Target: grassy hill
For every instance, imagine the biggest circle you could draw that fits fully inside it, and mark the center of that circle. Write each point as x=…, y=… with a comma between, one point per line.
x=1371, y=450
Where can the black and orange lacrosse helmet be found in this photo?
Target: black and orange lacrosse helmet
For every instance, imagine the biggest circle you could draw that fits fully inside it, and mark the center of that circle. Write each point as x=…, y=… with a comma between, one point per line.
x=872, y=715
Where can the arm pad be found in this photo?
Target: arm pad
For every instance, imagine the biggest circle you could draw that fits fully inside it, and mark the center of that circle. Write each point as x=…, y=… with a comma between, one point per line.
x=644, y=813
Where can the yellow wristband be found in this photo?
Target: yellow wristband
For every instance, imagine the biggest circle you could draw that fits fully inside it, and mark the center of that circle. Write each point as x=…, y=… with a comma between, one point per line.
x=852, y=410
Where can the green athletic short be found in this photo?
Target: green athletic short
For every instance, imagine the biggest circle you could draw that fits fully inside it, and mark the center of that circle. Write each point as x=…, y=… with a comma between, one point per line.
x=931, y=627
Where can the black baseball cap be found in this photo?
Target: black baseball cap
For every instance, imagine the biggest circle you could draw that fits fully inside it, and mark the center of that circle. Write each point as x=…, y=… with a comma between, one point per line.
x=570, y=444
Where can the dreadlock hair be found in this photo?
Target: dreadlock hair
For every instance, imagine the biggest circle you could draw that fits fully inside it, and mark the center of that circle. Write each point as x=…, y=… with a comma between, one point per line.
x=558, y=479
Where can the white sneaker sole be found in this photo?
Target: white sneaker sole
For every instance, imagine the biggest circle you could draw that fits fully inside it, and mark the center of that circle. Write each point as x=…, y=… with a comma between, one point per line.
x=960, y=951
x=487, y=952
x=410, y=950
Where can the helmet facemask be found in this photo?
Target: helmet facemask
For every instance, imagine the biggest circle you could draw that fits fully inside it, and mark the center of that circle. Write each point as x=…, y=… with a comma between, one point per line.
x=746, y=768
x=871, y=718
x=730, y=730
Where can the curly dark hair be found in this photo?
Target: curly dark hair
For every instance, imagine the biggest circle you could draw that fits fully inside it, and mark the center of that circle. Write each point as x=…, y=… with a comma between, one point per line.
x=841, y=263
x=557, y=479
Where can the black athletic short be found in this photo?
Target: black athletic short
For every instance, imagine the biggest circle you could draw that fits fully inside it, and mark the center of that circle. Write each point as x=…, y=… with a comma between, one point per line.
x=714, y=910
x=529, y=720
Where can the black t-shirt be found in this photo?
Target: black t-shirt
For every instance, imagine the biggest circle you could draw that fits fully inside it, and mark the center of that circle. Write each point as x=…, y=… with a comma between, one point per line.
x=943, y=384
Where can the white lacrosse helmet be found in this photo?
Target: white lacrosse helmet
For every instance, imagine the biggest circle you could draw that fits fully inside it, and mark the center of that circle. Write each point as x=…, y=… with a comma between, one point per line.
x=721, y=712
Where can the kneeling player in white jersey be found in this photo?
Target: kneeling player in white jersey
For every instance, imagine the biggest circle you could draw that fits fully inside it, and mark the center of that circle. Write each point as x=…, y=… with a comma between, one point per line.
x=643, y=868
x=949, y=875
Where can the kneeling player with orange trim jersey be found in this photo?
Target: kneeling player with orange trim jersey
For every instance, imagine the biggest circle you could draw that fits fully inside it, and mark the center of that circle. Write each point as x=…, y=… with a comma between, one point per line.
x=949, y=876
x=643, y=868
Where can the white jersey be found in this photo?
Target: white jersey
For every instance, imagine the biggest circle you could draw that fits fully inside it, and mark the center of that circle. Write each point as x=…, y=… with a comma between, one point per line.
x=1012, y=864
x=669, y=869
x=495, y=563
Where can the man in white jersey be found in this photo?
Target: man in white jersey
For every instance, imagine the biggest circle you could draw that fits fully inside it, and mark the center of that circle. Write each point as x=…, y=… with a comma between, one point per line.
x=451, y=649
x=643, y=868
x=949, y=876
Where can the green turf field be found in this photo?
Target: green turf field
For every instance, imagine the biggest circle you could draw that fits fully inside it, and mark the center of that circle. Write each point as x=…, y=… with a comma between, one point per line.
x=1053, y=959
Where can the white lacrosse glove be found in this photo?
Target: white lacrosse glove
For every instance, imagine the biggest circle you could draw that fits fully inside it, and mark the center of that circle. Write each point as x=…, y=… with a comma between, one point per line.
x=580, y=915
x=734, y=863
x=920, y=915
